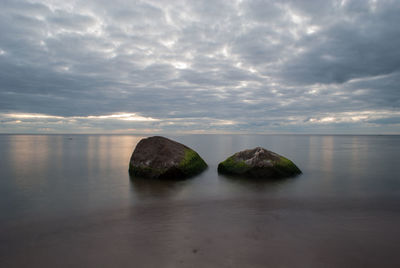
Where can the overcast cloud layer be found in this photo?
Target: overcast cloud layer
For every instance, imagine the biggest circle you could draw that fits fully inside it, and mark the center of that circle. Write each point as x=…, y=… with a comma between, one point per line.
x=200, y=66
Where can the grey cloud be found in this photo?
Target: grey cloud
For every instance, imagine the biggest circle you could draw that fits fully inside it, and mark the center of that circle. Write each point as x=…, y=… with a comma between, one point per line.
x=386, y=121
x=24, y=7
x=70, y=21
x=202, y=65
x=357, y=45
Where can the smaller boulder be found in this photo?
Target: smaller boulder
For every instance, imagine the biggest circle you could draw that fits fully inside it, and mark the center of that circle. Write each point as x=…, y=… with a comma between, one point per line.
x=258, y=163
x=159, y=157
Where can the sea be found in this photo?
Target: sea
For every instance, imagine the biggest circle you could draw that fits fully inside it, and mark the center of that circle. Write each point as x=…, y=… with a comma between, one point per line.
x=68, y=201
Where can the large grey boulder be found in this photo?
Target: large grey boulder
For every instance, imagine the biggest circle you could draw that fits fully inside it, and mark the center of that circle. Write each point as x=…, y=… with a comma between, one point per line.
x=258, y=163
x=159, y=157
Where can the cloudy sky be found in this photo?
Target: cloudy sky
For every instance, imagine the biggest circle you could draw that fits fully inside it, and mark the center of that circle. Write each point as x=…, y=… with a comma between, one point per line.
x=200, y=66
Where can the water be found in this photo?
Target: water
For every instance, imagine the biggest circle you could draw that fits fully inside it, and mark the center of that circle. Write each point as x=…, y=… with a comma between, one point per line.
x=68, y=201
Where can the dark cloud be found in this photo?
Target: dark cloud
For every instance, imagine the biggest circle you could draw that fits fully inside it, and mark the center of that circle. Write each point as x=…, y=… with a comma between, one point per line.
x=362, y=42
x=392, y=120
x=241, y=66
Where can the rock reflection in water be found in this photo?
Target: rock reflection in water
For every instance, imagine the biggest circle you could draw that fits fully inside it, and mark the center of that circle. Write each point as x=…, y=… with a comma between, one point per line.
x=155, y=188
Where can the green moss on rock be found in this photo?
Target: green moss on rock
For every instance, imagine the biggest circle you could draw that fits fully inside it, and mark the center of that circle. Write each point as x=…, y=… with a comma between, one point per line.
x=285, y=167
x=232, y=166
x=192, y=163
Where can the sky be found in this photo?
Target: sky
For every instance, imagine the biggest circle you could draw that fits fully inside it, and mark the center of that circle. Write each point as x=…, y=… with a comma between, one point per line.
x=218, y=66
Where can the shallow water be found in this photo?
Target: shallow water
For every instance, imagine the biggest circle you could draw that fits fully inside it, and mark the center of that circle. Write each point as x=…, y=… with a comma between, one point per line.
x=68, y=201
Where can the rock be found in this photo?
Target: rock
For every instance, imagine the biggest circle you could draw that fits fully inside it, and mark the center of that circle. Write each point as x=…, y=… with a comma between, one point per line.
x=258, y=163
x=159, y=157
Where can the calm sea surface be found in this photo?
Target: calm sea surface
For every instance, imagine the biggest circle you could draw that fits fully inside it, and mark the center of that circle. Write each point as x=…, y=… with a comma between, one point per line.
x=68, y=201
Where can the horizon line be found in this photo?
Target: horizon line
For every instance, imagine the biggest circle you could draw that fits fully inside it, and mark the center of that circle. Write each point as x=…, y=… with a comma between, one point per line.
x=211, y=133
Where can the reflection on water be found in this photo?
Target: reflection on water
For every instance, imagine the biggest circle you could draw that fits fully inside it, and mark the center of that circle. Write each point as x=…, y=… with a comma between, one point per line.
x=29, y=161
x=68, y=201
x=94, y=168
x=328, y=145
x=152, y=188
x=53, y=174
x=255, y=184
x=109, y=151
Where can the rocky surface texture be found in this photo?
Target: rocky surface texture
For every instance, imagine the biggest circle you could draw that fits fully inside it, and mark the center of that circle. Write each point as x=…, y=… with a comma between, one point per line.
x=159, y=157
x=258, y=163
